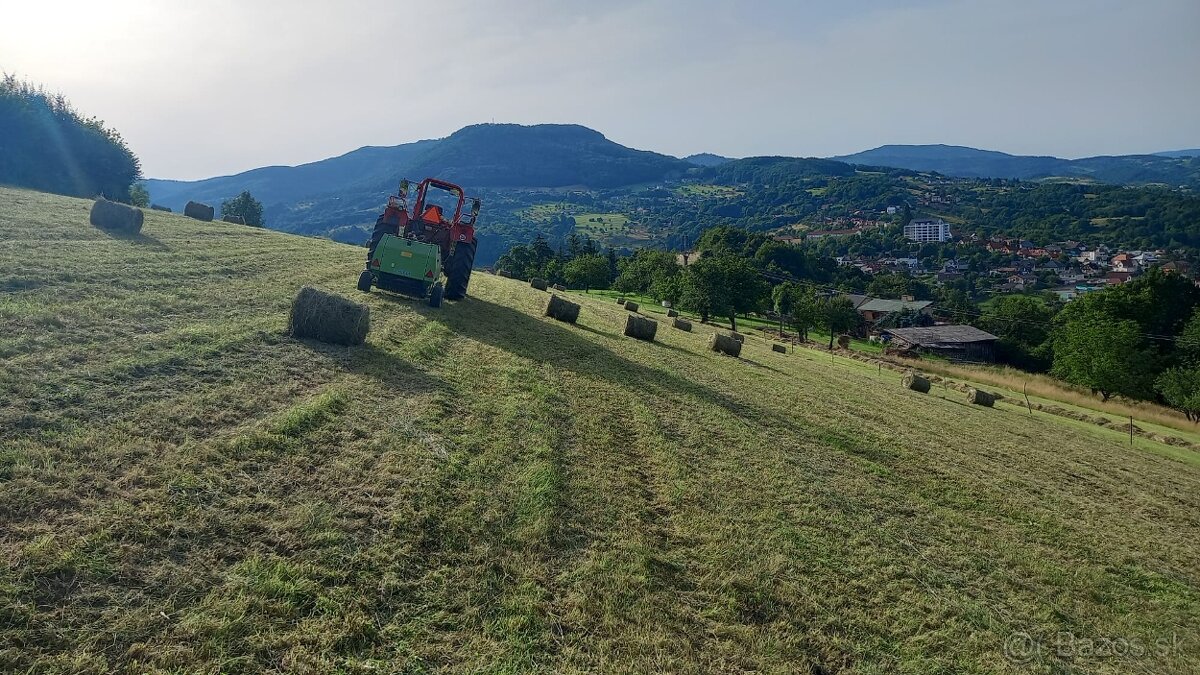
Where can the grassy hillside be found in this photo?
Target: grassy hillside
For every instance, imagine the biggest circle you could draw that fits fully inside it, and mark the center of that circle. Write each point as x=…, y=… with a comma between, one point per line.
x=183, y=487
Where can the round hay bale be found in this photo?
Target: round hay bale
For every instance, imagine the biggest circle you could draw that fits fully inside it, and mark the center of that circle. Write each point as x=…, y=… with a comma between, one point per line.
x=737, y=336
x=915, y=382
x=843, y=342
x=199, y=211
x=116, y=217
x=640, y=327
x=539, y=284
x=725, y=344
x=631, y=306
x=503, y=273
x=620, y=301
x=329, y=318
x=683, y=325
x=779, y=348
x=562, y=309
x=236, y=220
x=980, y=397
x=559, y=287
x=160, y=207
x=672, y=313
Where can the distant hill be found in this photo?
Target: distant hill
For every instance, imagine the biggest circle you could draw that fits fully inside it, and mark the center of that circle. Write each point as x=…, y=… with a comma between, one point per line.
x=1173, y=169
x=706, y=159
x=1194, y=152
x=484, y=155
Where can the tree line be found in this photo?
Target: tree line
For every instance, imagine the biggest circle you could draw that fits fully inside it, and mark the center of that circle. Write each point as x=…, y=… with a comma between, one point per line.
x=45, y=144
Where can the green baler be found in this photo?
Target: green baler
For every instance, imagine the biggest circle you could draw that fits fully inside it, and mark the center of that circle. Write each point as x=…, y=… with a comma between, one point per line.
x=409, y=251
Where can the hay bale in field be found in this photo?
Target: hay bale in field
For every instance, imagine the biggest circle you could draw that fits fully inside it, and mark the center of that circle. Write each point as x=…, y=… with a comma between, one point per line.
x=779, y=348
x=503, y=273
x=843, y=342
x=199, y=211
x=620, y=301
x=725, y=344
x=640, y=327
x=559, y=287
x=915, y=382
x=329, y=318
x=539, y=284
x=236, y=220
x=160, y=207
x=116, y=217
x=980, y=397
x=631, y=306
x=672, y=313
x=737, y=336
x=683, y=325
x=562, y=309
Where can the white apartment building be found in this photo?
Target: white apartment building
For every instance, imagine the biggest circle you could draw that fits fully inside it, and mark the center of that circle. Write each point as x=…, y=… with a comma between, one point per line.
x=927, y=229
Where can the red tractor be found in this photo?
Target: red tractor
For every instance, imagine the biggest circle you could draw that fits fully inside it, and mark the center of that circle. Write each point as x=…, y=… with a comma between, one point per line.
x=409, y=251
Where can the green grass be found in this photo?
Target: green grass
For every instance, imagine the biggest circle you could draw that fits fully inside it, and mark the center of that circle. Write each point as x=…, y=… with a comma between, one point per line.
x=708, y=191
x=183, y=487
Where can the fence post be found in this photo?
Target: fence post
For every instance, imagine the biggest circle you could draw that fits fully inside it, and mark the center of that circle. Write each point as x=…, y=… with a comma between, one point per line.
x=1024, y=390
x=1131, y=430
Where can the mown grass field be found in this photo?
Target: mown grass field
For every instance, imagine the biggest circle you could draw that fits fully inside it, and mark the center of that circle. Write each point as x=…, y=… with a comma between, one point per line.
x=185, y=488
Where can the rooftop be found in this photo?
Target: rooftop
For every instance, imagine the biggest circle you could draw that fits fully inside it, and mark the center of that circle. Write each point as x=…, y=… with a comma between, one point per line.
x=941, y=335
x=879, y=305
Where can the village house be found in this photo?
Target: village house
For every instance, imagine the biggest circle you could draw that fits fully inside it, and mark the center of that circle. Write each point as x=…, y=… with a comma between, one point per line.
x=1123, y=262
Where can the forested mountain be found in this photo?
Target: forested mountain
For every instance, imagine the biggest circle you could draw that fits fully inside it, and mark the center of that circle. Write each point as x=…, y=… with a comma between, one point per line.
x=556, y=180
x=706, y=159
x=278, y=184
x=1172, y=168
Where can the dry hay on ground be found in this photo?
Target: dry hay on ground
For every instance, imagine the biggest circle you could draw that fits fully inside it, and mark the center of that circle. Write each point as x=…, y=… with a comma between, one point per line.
x=980, y=397
x=725, y=344
x=562, y=309
x=116, y=217
x=640, y=327
x=199, y=211
x=329, y=318
x=915, y=382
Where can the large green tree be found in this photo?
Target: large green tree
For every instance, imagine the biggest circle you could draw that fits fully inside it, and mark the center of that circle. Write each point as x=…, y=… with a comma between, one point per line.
x=1106, y=355
x=244, y=206
x=1180, y=388
x=840, y=316
x=1022, y=323
x=45, y=144
x=798, y=304
x=722, y=285
x=588, y=271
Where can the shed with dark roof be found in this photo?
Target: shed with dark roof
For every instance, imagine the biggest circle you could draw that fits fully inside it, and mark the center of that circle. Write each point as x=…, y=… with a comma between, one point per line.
x=958, y=343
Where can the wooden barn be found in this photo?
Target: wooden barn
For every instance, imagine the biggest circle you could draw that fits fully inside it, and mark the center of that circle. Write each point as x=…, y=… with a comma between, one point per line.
x=957, y=343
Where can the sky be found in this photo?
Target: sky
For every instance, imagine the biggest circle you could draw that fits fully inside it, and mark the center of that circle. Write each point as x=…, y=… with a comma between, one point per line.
x=213, y=87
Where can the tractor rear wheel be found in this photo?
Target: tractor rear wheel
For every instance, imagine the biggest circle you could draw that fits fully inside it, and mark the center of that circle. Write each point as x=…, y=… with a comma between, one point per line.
x=458, y=270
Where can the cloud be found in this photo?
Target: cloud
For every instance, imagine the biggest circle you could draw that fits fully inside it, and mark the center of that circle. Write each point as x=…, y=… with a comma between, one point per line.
x=202, y=88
